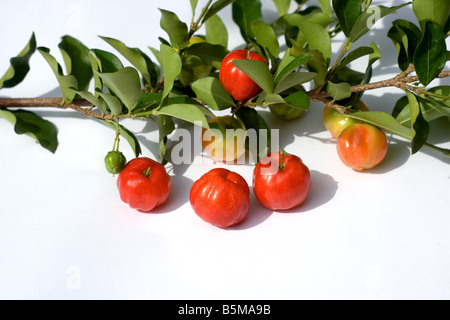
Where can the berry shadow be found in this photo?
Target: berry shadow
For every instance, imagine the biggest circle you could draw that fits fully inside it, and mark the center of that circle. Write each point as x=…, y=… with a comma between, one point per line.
x=323, y=190
x=397, y=155
x=256, y=215
x=178, y=196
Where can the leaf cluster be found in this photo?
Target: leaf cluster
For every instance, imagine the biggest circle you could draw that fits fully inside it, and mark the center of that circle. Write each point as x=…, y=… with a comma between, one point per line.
x=180, y=82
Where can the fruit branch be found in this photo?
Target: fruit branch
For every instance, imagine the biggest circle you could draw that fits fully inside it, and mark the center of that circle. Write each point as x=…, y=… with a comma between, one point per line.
x=79, y=105
x=400, y=81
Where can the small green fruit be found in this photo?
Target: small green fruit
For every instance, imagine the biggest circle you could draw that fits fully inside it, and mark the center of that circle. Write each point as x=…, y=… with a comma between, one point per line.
x=285, y=111
x=336, y=122
x=114, y=162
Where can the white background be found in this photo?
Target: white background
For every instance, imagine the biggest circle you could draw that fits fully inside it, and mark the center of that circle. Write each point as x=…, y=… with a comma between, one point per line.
x=65, y=234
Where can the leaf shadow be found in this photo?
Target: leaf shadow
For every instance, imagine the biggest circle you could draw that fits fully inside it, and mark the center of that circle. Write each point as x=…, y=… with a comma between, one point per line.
x=310, y=123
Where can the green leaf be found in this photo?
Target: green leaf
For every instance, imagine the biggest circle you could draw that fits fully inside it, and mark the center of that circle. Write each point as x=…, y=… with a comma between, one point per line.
x=437, y=11
x=400, y=106
x=184, y=100
x=420, y=127
x=187, y=112
x=166, y=126
x=204, y=53
x=215, y=8
x=147, y=102
x=347, y=12
x=282, y=6
x=287, y=25
x=77, y=61
x=294, y=79
x=125, y=84
x=375, y=55
x=322, y=19
x=96, y=101
x=383, y=121
x=243, y=13
x=431, y=107
x=210, y=91
x=258, y=72
x=354, y=55
x=253, y=120
x=298, y=61
x=265, y=36
x=339, y=91
x=127, y=135
x=354, y=78
x=178, y=31
x=67, y=83
x=317, y=37
x=299, y=100
x=29, y=123
x=369, y=18
x=137, y=58
x=194, y=4
x=406, y=37
x=286, y=65
x=112, y=102
x=431, y=54
x=19, y=66
x=315, y=64
x=447, y=26
x=326, y=7
x=96, y=66
x=171, y=64
x=107, y=61
x=272, y=98
x=102, y=61
x=444, y=92
x=216, y=31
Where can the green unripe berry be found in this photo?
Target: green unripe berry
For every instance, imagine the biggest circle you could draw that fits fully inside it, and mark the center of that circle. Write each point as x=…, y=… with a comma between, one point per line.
x=285, y=112
x=114, y=162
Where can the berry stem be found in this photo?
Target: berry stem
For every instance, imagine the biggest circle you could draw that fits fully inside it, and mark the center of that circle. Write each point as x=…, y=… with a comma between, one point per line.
x=283, y=154
x=147, y=172
x=446, y=152
x=116, y=141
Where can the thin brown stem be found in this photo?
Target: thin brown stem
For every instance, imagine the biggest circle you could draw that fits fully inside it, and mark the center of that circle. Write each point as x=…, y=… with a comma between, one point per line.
x=159, y=86
x=79, y=105
x=401, y=81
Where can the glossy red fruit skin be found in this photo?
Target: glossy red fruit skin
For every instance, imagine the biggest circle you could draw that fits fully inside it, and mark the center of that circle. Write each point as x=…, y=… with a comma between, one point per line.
x=362, y=146
x=281, y=181
x=144, y=184
x=220, y=197
x=236, y=82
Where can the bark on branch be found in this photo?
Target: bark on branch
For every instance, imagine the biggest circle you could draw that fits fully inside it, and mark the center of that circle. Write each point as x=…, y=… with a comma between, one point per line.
x=401, y=81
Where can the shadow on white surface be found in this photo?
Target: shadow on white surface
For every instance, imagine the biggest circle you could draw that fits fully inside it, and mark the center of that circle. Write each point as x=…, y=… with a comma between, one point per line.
x=178, y=196
x=323, y=190
x=256, y=215
x=397, y=155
